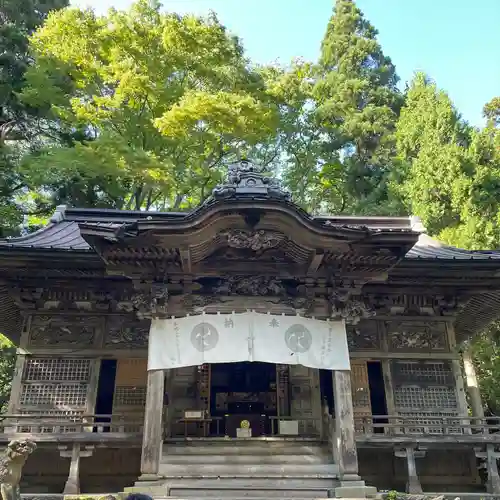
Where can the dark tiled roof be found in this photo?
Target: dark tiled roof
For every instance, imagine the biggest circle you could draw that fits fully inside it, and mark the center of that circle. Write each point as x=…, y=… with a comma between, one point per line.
x=63, y=232
x=428, y=248
x=62, y=235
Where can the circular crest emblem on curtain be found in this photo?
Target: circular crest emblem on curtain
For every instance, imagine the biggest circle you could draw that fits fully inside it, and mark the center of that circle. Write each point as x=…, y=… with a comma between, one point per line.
x=298, y=338
x=204, y=337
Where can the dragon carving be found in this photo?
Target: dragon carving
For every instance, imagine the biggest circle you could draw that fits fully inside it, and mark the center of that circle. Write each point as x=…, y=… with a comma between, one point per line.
x=11, y=467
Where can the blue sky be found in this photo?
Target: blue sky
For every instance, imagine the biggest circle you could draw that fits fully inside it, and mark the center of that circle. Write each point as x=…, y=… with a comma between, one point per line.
x=456, y=42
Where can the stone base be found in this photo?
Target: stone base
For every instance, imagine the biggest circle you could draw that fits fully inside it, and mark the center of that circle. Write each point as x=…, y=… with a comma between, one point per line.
x=355, y=489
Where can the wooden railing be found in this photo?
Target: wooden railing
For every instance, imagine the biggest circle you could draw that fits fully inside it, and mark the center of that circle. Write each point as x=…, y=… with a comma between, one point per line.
x=428, y=425
x=129, y=426
x=70, y=424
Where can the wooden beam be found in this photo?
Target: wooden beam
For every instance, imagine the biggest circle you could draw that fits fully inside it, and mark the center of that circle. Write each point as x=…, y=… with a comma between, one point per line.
x=413, y=484
x=491, y=456
x=72, y=486
x=185, y=255
x=316, y=261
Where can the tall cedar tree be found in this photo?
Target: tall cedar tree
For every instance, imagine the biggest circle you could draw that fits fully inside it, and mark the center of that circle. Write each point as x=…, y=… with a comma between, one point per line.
x=357, y=107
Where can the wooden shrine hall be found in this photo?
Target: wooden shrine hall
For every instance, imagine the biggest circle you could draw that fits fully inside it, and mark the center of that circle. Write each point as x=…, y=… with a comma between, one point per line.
x=247, y=347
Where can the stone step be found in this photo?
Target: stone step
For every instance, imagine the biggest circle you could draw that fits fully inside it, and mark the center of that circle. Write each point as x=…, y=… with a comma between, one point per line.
x=266, y=495
x=289, y=483
x=250, y=494
x=229, y=459
x=235, y=448
x=238, y=469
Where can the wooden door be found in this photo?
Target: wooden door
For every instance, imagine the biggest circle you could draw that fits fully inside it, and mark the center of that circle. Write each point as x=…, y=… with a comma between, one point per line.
x=360, y=389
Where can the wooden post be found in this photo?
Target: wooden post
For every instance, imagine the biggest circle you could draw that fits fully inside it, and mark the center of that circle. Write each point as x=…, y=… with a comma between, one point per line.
x=72, y=486
x=413, y=485
x=472, y=385
x=491, y=456
x=152, y=433
x=344, y=426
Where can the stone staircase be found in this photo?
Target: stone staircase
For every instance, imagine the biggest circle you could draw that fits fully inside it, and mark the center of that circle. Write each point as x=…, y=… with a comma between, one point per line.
x=244, y=469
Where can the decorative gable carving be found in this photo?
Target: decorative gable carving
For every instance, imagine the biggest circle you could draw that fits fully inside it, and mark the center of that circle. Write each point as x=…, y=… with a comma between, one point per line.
x=126, y=332
x=63, y=331
x=417, y=335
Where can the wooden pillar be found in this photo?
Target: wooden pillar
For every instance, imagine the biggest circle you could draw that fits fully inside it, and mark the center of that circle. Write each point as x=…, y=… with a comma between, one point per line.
x=344, y=426
x=413, y=485
x=472, y=385
x=17, y=382
x=490, y=456
x=459, y=387
x=152, y=432
x=72, y=486
x=168, y=409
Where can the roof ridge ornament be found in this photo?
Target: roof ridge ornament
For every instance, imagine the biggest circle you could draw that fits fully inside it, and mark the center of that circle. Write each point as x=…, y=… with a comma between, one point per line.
x=248, y=180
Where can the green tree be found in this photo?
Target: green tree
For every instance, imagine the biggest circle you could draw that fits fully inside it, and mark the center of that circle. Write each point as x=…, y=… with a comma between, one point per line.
x=357, y=105
x=166, y=99
x=7, y=364
x=450, y=172
x=21, y=126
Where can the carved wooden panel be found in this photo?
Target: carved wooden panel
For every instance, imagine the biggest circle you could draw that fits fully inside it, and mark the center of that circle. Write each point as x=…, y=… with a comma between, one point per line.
x=416, y=336
x=364, y=336
x=360, y=389
x=63, y=330
x=126, y=332
x=305, y=399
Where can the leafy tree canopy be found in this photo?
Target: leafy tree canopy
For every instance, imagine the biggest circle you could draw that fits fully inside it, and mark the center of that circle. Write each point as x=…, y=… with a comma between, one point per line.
x=164, y=99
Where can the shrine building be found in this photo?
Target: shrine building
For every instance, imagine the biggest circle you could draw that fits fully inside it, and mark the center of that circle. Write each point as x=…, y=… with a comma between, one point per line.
x=247, y=349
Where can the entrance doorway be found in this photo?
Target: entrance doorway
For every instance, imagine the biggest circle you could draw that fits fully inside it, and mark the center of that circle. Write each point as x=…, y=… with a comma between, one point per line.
x=243, y=396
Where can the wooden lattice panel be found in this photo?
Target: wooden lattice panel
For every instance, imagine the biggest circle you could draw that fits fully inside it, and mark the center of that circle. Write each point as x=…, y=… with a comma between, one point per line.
x=283, y=392
x=54, y=396
x=54, y=386
x=204, y=387
x=360, y=388
x=425, y=389
x=129, y=398
x=305, y=399
x=56, y=370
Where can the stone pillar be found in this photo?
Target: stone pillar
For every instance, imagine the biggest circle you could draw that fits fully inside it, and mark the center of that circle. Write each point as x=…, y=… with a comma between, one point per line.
x=472, y=385
x=413, y=484
x=344, y=425
x=152, y=432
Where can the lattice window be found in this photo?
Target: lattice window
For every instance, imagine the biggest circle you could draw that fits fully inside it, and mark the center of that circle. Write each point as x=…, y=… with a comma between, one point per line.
x=56, y=369
x=425, y=397
x=60, y=395
x=427, y=372
x=129, y=396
